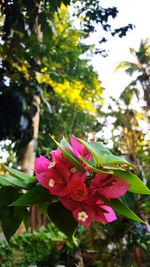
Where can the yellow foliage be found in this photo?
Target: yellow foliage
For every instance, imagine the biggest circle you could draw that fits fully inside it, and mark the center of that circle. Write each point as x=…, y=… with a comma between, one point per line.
x=23, y=68
x=63, y=7
x=72, y=91
x=85, y=95
x=139, y=116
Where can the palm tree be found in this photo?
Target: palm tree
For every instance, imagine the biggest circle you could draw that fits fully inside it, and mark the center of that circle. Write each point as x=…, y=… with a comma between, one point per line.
x=141, y=66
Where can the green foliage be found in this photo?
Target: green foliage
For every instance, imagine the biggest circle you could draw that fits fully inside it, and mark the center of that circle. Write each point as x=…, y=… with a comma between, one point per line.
x=91, y=12
x=11, y=219
x=34, y=196
x=32, y=248
x=110, y=245
x=39, y=39
x=10, y=192
x=137, y=186
x=14, y=205
x=105, y=161
x=103, y=156
x=122, y=209
x=69, y=155
x=20, y=175
x=140, y=67
x=16, y=179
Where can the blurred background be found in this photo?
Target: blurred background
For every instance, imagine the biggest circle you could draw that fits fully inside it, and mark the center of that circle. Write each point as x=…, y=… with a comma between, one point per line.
x=76, y=68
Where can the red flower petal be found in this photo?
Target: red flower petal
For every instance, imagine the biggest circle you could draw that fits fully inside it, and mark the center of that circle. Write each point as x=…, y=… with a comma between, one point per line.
x=77, y=190
x=109, y=185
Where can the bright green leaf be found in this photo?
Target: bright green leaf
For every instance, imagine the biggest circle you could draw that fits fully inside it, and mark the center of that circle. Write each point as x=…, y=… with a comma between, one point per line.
x=10, y=180
x=65, y=143
x=4, y=182
x=107, y=158
x=117, y=205
x=70, y=156
x=93, y=151
x=95, y=170
x=20, y=175
x=137, y=186
x=103, y=156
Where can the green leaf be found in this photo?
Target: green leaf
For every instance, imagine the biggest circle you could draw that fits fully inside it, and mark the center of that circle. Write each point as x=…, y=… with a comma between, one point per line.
x=107, y=157
x=62, y=218
x=95, y=170
x=93, y=150
x=36, y=195
x=10, y=221
x=7, y=195
x=117, y=205
x=70, y=156
x=103, y=156
x=20, y=175
x=137, y=186
x=65, y=143
x=112, y=160
x=4, y=182
x=10, y=180
x=26, y=218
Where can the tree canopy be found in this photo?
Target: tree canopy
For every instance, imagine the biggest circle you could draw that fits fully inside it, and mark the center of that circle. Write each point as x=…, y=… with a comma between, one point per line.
x=139, y=67
x=40, y=55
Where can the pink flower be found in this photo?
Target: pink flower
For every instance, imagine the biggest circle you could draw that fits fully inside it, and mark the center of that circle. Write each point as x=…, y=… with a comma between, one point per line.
x=63, y=181
x=68, y=203
x=43, y=178
x=104, y=213
x=41, y=164
x=91, y=209
x=75, y=192
x=77, y=189
x=52, y=175
x=79, y=149
x=41, y=169
x=58, y=177
x=82, y=211
x=109, y=185
x=83, y=214
x=57, y=156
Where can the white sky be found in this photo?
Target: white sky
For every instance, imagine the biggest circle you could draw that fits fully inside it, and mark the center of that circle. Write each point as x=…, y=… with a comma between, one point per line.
x=136, y=12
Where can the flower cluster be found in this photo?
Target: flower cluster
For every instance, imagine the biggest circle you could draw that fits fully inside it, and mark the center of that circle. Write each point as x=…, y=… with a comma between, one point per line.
x=80, y=191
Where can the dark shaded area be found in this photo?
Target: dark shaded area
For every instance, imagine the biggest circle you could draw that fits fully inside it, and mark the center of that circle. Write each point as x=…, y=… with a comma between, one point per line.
x=15, y=121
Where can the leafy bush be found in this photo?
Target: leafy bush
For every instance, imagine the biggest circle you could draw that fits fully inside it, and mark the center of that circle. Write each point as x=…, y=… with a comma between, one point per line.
x=32, y=248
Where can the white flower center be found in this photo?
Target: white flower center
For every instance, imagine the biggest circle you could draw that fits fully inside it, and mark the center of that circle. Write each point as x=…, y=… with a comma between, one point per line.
x=73, y=170
x=51, y=165
x=51, y=182
x=82, y=216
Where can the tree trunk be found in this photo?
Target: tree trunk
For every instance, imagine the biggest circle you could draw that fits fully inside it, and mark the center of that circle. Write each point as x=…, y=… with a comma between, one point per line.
x=28, y=159
x=29, y=155
x=30, y=150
